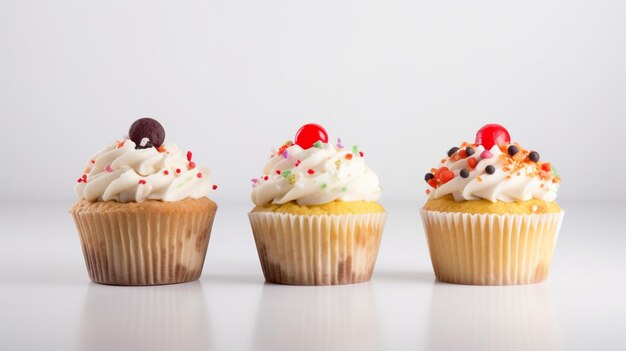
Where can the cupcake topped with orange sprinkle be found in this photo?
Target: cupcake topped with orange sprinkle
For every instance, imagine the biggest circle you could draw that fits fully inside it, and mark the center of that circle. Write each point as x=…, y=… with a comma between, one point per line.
x=494, y=169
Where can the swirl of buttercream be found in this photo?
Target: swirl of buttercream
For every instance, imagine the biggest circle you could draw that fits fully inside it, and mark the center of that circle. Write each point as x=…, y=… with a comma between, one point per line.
x=124, y=174
x=513, y=179
x=315, y=176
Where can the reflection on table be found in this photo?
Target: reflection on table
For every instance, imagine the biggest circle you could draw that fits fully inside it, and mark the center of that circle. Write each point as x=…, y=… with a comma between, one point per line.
x=493, y=318
x=169, y=317
x=317, y=318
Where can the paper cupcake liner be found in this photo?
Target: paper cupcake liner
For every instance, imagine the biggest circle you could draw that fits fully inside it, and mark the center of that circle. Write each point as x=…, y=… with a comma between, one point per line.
x=149, y=247
x=491, y=249
x=317, y=249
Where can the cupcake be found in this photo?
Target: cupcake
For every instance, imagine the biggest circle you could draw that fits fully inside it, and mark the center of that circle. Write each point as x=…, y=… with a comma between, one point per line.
x=143, y=216
x=491, y=217
x=316, y=219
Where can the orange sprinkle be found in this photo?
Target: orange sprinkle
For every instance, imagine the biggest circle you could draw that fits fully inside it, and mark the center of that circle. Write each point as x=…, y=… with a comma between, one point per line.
x=443, y=160
x=348, y=156
x=446, y=176
x=480, y=179
x=161, y=149
x=472, y=162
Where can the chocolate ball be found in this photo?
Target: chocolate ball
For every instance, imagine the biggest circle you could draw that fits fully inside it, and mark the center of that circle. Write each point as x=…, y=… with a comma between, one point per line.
x=146, y=132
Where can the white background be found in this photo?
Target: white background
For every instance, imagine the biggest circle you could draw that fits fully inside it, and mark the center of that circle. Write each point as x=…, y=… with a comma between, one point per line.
x=229, y=80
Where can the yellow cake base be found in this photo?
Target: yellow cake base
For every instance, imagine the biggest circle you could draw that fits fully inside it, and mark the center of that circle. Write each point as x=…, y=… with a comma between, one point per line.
x=447, y=204
x=146, y=243
x=335, y=207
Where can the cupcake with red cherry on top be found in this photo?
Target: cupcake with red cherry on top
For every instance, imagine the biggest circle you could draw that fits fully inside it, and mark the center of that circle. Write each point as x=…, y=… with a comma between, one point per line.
x=143, y=214
x=491, y=217
x=316, y=219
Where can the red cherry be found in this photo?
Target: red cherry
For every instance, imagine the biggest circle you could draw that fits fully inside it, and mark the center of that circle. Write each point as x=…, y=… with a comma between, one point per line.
x=309, y=134
x=492, y=134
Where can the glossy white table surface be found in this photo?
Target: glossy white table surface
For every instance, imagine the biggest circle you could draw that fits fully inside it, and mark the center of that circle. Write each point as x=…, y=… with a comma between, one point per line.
x=48, y=303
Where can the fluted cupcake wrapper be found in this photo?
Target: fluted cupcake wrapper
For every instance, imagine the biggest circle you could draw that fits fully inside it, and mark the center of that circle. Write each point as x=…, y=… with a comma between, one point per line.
x=491, y=249
x=317, y=249
x=148, y=247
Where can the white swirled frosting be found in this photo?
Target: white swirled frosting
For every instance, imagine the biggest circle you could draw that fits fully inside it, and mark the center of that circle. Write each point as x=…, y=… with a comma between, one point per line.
x=513, y=179
x=124, y=174
x=315, y=176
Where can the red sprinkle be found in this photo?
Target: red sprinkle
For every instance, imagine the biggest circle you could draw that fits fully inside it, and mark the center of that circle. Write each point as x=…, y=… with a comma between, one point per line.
x=546, y=167
x=189, y=154
x=297, y=163
x=278, y=171
x=199, y=175
x=446, y=176
x=310, y=171
x=214, y=187
x=266, y=178
x=141, y=181
x=93, y=161
x=361, y=153
x=192, y=165
x=166, y=172
x=177, y=170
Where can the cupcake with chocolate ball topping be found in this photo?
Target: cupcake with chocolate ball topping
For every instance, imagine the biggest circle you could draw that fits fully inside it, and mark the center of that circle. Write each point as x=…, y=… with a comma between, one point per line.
x=143, y=215
x=491, y=217
x=316, y=219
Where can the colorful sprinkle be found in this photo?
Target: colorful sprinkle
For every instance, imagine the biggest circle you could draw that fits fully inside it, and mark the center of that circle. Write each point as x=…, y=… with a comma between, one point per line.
x=348, y=156
x=141, y=181
x=108, y=168
x=214, y=187
x=199, y=175
x=445, y=176
x=178, y=170
x=361, y=153
x=355, y=149
x=533, y=156
x=297, y=163
x=292, y=179
x=324, y=186
x=452, y=151
x=318, y=144
x=339, y=145
x=285, y=154
x=310, y=171
x=166, y=172
x=344, y=189
x=278, y=171
x=266, y=178
x=189, y=154
x=93, y=162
